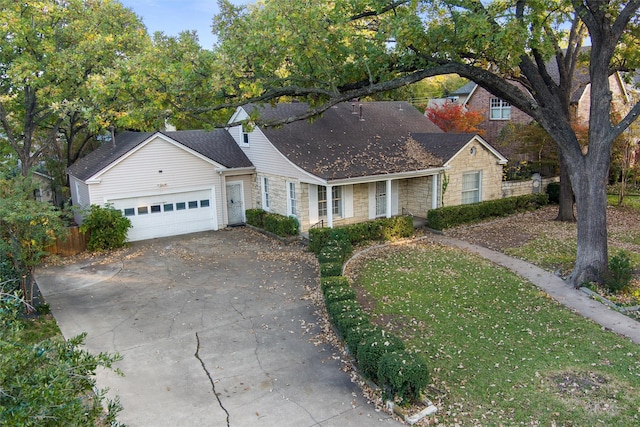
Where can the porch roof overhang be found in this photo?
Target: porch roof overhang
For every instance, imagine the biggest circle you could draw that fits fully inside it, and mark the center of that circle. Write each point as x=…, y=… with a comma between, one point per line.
x=392, y=176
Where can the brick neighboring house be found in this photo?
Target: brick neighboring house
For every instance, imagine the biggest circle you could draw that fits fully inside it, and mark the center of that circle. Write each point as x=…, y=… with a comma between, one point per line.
x=499, y=113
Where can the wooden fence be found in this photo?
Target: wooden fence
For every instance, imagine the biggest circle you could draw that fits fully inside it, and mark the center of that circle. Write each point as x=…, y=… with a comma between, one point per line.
x=75, y=243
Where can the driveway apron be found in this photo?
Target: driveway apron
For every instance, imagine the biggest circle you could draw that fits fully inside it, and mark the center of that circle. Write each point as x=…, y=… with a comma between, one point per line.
x=215, y=329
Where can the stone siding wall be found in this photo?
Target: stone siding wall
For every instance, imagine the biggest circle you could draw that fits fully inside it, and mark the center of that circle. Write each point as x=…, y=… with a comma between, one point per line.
x=416, y=195
x=520, y=188
x=466, y=162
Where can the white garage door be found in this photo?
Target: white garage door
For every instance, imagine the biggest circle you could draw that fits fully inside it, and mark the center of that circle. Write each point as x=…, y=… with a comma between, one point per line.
x=168, y=214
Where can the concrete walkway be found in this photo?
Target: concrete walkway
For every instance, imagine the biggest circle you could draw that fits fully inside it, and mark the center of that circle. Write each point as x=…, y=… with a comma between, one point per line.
x=557, y=288
x=216, y=329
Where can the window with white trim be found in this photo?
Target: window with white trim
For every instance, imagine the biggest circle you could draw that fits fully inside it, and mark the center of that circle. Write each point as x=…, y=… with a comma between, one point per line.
x=293, y=201
x=381, y=198
x=471, y=187
x=245, y=137
x=499, y=109
x=336, y=201
x=266, y=203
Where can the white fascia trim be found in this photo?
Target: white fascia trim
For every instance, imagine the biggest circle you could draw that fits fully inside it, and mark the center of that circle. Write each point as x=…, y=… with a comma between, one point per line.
x=501, y=159
x=466, y=101
x=235, y=115
x=95, y=178
x=375, y=178
x=235, y=171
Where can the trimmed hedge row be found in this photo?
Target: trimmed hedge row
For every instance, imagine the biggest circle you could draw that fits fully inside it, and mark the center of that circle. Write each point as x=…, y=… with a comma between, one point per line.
x=450, y=216
x=380, y=229
x=280, y=225
x=380, y=355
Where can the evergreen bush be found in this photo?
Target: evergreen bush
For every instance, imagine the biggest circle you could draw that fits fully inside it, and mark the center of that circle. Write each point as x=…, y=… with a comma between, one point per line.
x=373, y=346
x=338, y=293
x=451, y=216
x=620, y=272
x=403, y=374
x=107, y=228
x=328, y=269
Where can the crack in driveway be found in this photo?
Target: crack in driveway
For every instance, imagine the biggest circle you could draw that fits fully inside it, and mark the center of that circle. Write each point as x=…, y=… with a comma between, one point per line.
x=213, y=384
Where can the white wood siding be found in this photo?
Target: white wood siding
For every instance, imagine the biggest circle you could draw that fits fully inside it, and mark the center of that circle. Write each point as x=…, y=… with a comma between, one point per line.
x=139, y=175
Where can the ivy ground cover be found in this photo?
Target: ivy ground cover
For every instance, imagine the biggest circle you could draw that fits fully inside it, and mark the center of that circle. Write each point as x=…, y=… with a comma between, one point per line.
x=501, y=352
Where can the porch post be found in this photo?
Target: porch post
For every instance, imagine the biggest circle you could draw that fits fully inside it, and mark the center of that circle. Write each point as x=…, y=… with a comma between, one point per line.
x=434, y=191
x=388, y=198
x=330, y=206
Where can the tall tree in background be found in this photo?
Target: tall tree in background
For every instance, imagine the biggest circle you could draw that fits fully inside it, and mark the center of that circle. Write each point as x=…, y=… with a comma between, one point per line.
x=452, y=117
x=49, y=53
x=330, y=52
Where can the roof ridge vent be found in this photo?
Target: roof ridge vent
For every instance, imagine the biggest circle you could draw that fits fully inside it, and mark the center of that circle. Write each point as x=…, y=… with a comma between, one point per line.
x=361, y=117
x=353, y=108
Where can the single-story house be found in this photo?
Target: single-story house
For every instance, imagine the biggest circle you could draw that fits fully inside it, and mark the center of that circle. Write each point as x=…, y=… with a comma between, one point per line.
x=167, y=183
x=361, y=161
x=356, y=162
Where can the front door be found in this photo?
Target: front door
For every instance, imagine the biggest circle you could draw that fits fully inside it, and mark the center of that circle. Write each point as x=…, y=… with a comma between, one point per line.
x=235, y=207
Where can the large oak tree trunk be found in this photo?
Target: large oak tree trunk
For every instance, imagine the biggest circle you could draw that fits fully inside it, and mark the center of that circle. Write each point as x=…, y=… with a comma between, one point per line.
x=565, y=209
x=590, y=186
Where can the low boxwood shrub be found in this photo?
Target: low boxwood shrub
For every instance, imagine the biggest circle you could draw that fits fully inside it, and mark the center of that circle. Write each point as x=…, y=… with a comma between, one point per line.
x=354, y=336
x=338, y=293
x=330, y=253
x=396, y=227
x=318, y=237
x=373, y=346
x=403, y=374
x=346, y=320
x=337, y=308
x=107, y=228
x=379, y=229
x=328, y=269
x=450, y=216
x=327, y=282
x=281, y=225
x=255, y=217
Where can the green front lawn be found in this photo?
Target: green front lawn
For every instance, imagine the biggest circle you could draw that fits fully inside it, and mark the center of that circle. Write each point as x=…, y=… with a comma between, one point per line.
x=501, y=351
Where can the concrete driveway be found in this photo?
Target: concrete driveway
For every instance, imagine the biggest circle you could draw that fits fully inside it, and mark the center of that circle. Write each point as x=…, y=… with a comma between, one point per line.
x=216, y=329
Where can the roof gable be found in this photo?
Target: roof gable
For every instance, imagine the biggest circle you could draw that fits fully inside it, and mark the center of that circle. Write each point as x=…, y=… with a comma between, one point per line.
x=351, y=139
x=446, y=146
x=216, y=146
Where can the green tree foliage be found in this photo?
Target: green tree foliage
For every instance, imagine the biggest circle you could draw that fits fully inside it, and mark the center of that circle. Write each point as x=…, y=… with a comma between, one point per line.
x=50, y=52
x=27, y=227
x=330, y=52
x=51, y=382
x=107, y=228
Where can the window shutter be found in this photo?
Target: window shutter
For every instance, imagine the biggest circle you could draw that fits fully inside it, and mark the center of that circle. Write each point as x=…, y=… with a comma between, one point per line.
x=313, y=204
x=394, y=197
x=347, y=201
x=372, y=200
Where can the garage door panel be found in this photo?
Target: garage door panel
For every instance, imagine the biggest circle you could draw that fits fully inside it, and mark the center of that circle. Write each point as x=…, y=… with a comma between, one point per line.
x=168, y=214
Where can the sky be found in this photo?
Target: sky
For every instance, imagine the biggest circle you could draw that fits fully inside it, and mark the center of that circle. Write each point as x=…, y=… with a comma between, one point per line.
x=174, y=16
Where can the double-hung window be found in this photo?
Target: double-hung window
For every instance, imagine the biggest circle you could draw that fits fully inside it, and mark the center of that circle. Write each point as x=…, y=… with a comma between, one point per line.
x=292, y=198
x=499, y=109
x=336, y=201
x=471, y=187
x=266, y=203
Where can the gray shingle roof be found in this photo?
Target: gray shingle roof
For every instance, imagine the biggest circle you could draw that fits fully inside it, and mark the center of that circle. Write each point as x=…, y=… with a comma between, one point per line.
x=339, y=145
x=443, y=145
x=217, y=145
